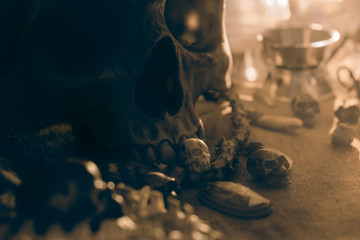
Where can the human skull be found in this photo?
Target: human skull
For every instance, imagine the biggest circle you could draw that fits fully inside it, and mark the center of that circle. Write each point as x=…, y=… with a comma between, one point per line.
x=270, y=165
x=126, y=74
x=305, y=107
x=195, y=154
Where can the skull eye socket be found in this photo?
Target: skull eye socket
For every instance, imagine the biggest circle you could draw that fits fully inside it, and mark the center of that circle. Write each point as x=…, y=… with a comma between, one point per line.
x=302, y=105
x=283, y=161
x=197, y=25
x=196, y=152
x=159, y=89
x=270, y=164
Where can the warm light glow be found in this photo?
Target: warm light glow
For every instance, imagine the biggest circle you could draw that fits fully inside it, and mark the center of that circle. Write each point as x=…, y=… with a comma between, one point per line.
x=99, y=184
x=92, y=168
x=111, y=185
x=126, y=223
x=192, y=21
x=181, y=215
x=336, y=36
x=175, y=234
x=356, y=144
x=226, y=110
x=250, y=73
x=282, y=3
x=269, y=2
x=118, y=198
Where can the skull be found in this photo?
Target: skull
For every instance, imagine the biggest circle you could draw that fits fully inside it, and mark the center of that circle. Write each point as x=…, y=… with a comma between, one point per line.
x=196, y=155
x=270, y=165
x=126, y=74
x=305, y=107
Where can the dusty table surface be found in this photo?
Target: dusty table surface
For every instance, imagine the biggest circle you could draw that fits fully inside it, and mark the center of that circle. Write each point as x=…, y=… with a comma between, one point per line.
x=323, y=200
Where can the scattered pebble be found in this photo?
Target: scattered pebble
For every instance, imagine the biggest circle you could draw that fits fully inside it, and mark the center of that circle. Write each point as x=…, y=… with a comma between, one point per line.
x=343, y=135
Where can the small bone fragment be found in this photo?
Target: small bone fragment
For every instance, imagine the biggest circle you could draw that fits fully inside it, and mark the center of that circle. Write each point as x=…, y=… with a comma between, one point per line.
x=277, y=123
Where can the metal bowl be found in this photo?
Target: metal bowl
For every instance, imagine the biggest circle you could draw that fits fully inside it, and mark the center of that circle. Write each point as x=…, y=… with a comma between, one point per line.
x=298, y=47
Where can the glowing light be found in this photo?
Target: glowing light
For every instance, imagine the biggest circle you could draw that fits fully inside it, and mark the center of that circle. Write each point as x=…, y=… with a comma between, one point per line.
x=111, y=185
x=92, y=168
x=356, y=144
x=175, y=234
x=269, y=2
x=192, y=21
x=335, y=36
x=226, y=110
x=126, y=223
x=204, y=227
x=181, y=215
x=250, y=73
x=282, y=3
x=99, y=184
x=196, y=235
x=118, y=198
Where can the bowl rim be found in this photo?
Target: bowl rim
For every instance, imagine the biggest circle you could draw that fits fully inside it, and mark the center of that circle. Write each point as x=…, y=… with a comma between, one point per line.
x=334, y=37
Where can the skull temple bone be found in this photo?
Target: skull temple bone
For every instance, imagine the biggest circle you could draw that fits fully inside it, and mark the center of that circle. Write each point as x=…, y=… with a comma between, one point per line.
x=125, y=74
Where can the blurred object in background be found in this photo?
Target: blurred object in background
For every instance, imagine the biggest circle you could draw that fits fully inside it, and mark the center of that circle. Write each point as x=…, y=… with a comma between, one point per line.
x=348, y=57
x=296, y=57
x=244, y=20
x=332, y=14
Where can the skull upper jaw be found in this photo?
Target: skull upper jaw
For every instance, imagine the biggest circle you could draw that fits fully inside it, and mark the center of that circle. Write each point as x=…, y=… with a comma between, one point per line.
x=92, y=72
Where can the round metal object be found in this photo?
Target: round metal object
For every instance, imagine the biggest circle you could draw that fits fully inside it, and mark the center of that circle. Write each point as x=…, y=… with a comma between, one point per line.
x=298, y=47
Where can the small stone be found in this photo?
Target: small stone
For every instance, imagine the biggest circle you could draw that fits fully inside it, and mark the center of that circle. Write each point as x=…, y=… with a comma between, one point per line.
x=343, y=135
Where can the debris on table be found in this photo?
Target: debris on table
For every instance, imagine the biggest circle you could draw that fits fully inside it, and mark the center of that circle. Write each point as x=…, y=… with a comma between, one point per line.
x=65, y=193
x=145, y=217
x=145, y=212
x=163, y=183
x=271, y=166
x=234, y=199
x=348, y=114
x=305, y=107
x=343, y=135
x=276, y=123
x=9, y=181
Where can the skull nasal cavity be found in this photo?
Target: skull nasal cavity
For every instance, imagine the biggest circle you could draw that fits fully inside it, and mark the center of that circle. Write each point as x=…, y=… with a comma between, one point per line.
x=159, y=89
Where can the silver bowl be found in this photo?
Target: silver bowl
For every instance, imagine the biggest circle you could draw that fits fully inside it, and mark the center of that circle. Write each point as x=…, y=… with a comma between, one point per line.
x=298, y=47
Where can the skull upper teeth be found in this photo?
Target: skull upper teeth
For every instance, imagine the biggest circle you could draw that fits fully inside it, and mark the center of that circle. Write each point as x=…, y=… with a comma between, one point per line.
x=166, y=152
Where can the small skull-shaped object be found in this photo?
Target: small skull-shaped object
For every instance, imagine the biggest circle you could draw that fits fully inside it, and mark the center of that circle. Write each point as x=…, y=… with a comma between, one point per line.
x=271, y=166
x=196, y=155
x=305, y=107
x=348, y=114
